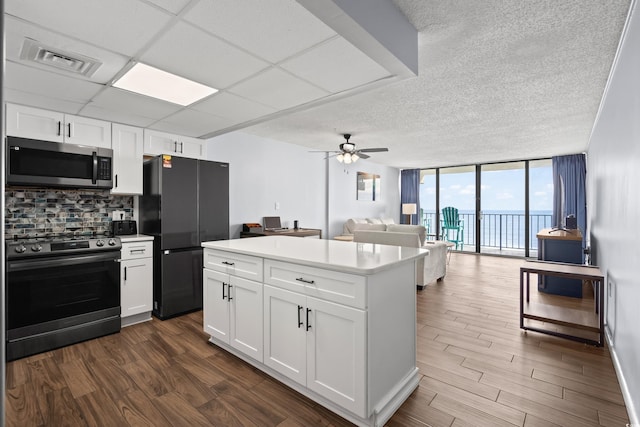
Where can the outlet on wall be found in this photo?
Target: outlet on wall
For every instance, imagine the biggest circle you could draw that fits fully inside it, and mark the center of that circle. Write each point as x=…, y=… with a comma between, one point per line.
x=117, y=215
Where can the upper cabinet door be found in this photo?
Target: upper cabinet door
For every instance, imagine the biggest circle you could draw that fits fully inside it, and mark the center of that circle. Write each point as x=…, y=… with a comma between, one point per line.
x=192, y=147
x=156, y=142
x=34, y=123
x=86, y=131
x=127, y=146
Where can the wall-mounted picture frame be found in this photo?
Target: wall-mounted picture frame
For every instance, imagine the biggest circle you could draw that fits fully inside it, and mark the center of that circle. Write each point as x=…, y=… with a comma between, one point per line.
x=368, y=186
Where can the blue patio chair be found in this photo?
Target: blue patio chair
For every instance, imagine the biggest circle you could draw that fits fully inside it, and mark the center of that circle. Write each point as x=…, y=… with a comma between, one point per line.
x=452, y=225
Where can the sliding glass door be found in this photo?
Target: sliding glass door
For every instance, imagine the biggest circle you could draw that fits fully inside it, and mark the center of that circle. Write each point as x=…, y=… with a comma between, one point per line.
x=502, y=213
x=458, y=190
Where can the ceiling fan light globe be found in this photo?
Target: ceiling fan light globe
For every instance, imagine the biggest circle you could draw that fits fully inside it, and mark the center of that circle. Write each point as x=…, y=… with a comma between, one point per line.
x=340, y=158
x=347, y=158
x=354, y=157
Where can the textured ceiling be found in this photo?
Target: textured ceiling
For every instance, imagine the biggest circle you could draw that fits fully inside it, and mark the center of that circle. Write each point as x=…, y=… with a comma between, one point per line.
x=498, y=80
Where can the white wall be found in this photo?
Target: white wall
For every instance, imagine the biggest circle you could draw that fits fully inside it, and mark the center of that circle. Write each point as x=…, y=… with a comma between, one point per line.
x=613, y=200
x=343, y=188
x=263, y=172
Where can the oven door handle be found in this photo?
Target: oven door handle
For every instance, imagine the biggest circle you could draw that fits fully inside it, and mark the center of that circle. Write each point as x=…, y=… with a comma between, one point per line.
x=30, y=264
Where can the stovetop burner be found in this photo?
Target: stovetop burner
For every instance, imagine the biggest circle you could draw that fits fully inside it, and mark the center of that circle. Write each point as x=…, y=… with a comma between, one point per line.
x=60, y=244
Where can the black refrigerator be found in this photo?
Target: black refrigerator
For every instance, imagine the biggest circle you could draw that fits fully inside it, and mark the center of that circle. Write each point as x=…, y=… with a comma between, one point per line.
x=185, y=202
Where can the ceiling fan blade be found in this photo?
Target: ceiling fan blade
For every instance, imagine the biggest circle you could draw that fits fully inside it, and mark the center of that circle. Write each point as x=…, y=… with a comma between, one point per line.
x=362, y=155
x=373, y=150
x=323, y=151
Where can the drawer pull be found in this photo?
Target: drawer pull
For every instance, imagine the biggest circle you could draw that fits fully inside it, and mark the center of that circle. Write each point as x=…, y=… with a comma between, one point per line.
x=137, y=251
x=308, y=324
x=228, y=263
x=303, y=280
x=299, y=319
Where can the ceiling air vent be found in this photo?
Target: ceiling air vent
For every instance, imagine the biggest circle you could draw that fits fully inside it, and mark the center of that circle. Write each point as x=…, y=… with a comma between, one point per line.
x=32, y=50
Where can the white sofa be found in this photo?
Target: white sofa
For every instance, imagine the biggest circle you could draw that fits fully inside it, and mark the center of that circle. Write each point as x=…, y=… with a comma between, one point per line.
x=434, y=266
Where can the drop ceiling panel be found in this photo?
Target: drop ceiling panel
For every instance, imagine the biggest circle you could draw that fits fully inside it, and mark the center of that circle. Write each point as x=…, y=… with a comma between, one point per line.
x=190, y=52
x=54, y=104
x=173, y=6
x=116, y=116
x=123, y=26
x=52, y=85
x=125, y=102
x=17, y=31
x=233, y=107
x=191, y=123
x=278, y=89
x=335, y=66
x=273, y=30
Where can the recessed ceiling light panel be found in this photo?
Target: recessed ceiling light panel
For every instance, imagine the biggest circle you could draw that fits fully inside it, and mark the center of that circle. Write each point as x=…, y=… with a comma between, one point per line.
x=150, y=81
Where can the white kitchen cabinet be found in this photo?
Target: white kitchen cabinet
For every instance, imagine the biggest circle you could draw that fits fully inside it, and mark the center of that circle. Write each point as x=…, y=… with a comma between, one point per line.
x=128, y=147
x=319, y=344
x=233, y=311
x=136, y=279
x=36, y=123
x=156, y=142
x=339, y=319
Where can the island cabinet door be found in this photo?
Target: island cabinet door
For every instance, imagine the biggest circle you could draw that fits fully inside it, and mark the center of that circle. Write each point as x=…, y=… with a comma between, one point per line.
x=215, y=303
x=245, y=300
x=285, y=343
x=336, y=357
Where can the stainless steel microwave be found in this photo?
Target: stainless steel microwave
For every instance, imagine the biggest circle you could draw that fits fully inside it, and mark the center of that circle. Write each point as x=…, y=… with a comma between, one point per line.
x=51, y=164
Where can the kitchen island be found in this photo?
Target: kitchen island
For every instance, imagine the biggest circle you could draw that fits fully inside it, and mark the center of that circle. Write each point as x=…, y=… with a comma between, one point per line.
x=336, y=321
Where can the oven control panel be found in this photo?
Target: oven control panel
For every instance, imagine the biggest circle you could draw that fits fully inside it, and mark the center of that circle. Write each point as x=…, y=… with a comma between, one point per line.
x=28, y=248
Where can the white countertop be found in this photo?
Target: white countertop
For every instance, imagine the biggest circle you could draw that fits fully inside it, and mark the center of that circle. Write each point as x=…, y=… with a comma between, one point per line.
x=350, y=257
x=135, y=238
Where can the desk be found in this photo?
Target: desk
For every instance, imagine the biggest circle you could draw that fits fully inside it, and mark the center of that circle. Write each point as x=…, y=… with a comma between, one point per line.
x=560, y=246
x=300, y=232
x=561, y=315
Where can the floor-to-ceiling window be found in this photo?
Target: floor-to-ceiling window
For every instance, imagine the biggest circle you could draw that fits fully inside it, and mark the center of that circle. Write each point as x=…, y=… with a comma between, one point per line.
x=458, y=190
x=501, y=206
x=540, y=200
x=502, y=212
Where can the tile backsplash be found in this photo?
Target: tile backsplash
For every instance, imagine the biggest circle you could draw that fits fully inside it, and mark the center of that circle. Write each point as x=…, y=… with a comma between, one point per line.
x=33, y=212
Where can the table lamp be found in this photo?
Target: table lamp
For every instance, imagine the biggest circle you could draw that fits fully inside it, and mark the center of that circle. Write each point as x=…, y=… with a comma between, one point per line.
x=409, y=209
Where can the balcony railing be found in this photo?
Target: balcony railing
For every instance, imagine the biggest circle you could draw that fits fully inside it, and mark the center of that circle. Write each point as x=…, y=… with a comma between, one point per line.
x=498, y=230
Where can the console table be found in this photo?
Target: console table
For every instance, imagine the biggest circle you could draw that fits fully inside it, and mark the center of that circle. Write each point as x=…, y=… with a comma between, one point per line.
x=300, y=232
x=561, y=315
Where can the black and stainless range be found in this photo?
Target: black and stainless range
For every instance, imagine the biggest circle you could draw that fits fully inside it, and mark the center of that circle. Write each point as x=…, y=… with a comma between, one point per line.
x=59, y=291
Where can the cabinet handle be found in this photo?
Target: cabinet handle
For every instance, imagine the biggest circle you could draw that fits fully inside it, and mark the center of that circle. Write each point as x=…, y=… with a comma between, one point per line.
x=116, y=180
x=125, y=273
x=182, y=147
x=69, y=127
x=299, y=318
x=175, y=146
x=59, y=127
x=301, y=279
x=223, y=295
x=308, y=325
x=136, y=251
x=229, y=292
x=228, y=263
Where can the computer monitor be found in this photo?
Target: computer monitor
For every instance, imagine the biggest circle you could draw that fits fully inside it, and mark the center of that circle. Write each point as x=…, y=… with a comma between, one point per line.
x=271, y=223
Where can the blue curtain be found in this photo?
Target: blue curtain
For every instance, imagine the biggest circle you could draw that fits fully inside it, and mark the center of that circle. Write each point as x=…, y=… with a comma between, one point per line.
x=410, y=192
x=569, y=192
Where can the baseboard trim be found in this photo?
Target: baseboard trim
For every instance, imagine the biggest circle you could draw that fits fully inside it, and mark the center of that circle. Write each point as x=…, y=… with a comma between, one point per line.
x=634, y=421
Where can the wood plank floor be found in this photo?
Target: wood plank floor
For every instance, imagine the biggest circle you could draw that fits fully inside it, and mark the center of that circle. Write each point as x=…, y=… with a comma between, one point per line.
x=478, y=369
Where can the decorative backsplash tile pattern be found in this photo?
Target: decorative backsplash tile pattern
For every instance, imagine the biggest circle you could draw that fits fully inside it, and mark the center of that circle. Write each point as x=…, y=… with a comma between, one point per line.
x=34, y=212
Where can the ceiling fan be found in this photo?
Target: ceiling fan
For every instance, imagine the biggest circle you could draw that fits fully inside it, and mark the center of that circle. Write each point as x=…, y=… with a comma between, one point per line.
x=348, y=152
